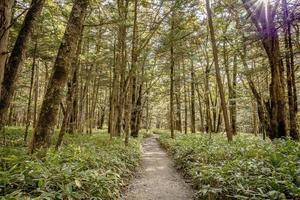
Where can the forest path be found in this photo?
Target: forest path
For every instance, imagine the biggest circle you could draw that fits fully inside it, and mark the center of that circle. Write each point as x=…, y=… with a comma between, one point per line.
x=157, y=178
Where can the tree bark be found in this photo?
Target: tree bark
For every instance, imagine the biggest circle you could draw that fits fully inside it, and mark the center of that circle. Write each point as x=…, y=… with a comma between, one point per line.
x=185, y=101
x=72, y=85
x=46, y=122
x=177, y=85
x=265, y=25
x=218, y=76
x=193, y=110
x=200, y=109
x=28, y=115
x=172, y=66
x=207, y=101
x=5, y=22
x=289, y=60
x=231, y=90
x=17, y=55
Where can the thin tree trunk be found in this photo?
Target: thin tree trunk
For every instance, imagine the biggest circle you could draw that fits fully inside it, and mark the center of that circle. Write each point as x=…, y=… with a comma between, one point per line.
x=254, y=118
x=185, y=100
x=207, y=101
x=177, y=86
x=289, y=60
x=193, y=111
x=233, y=107
x=218, y=75
x=172, y=65
x=231, y=91
x=36, y=94
x=200, y=109
x=261, y=105
x=30, y=94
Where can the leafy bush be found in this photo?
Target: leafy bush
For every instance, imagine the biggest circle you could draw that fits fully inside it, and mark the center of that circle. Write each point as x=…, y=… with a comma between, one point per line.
x=248, y=168
x=89, y=167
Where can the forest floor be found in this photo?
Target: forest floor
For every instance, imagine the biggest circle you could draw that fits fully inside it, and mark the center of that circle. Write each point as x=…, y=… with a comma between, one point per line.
x=157, y=178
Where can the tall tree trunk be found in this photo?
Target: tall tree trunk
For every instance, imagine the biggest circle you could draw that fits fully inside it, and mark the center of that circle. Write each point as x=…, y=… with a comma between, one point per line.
x=185, y=101
x=289, y=60
x=74, y=110
x=254, y=118
x=261, y=105
x=233, y=107
x=200, y=109
x=112, y=83
x=118, y=93
x=102, y=117
x=128, y=105
x=177, y=86
x=230, y=88
x=72, y=85
x=130, y=96
x=43, y=130
x=36, y=94
x=17, y=56
x=172, y=66
x=265, y=26
x=218, y=75
x=172, y=91
x=207, y=101
x=30, y=93
x=193, y=111
x=5, y=22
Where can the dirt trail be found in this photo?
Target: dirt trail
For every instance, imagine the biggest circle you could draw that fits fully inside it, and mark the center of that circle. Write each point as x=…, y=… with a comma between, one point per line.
x=157, y=178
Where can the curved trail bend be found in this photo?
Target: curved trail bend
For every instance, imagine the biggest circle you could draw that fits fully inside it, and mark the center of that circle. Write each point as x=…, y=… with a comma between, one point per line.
x=157, y=178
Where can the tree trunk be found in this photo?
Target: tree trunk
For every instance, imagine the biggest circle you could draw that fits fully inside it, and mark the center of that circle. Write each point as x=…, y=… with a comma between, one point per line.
x=177, y=85
x=118, y=93
x=200, y=109
x=218, y=75
x=102, y=118
x=72, y=85
x=5, y=22
x=265, y=26
x=231, y=91
x=289, y=60
x=254, y=118
x=46, y=122
x=17, y=56
x=207, y=101
x=172, y=92
x=193, y=111
x=261, y=105
x=130, y=87
x=172, y=66
x=36, y=94
x=233, y=107
x=30, y=93
x=185, y=100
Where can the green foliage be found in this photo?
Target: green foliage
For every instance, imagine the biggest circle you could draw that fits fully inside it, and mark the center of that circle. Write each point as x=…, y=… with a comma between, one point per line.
x=88, y=167
x=248, y=168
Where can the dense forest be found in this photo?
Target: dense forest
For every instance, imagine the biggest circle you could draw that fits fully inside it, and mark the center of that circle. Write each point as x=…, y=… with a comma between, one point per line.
x=91, y=91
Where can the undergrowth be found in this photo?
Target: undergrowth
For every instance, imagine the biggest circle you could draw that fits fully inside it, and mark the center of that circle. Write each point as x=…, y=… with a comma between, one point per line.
x=247, y=168
x=87, y=167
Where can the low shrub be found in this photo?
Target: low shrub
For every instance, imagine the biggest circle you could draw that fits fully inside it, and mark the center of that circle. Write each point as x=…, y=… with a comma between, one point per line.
x=247, y=168
x=88, y=167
